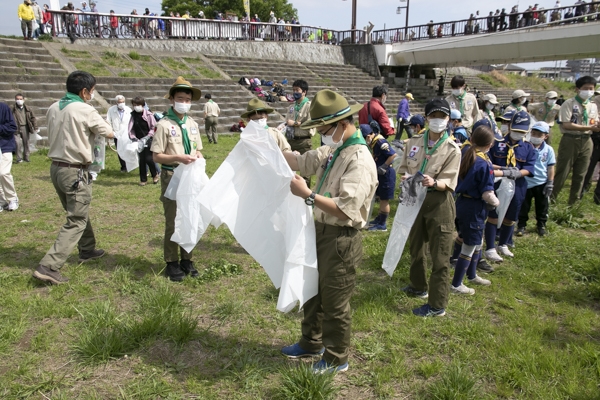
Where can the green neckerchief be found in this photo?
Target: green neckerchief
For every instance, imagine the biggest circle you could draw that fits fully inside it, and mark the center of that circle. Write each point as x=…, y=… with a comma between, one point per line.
x=354, y=139
x=68, y=99
x=186, y=139
x=584, y=106
x=548, y=109
x=491, y=115
x=428, y=152
x=461, y=104
x=298, y=107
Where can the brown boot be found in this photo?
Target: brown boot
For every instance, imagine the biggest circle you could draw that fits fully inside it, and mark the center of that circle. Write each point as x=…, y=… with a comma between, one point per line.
x=45, y=274
x=90, y=255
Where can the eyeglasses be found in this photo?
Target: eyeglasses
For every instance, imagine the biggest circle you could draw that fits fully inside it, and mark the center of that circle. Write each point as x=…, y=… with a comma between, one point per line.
x=326, y=132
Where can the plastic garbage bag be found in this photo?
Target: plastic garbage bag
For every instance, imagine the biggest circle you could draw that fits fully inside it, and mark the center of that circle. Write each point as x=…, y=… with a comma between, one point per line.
x=192, y=219
x=398, y=147
x=33, y=139
x=411, y=199
x=505, y=193
x=250, y=193
x=127, y=150
x=98, y=154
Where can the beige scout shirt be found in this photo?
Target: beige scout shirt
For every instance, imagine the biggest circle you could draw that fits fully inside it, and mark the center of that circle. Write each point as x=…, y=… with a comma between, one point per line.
x=302, y=116
x=351, y=182
x=572, y=106
x=211, y=109
x=540, y=112
x=513, y=108
x=443, y=164
x=597, y=101
x=470, y=108
x=72, y=130
x=169, y=140
x=282, y=142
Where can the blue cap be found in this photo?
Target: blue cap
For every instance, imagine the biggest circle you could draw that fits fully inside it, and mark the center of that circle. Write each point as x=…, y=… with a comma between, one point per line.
x=417, y=120
x=365, y=129
x=507, y=116
x=455, y=114
x=520, y=122
x=542, y=127
x=482, y=122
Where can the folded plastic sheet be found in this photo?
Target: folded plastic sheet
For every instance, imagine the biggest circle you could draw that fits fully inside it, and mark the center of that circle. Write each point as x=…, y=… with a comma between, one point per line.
x=127, y=150
x=250, y=193
x=192, y=219
x=411, y=199
x=505, y=193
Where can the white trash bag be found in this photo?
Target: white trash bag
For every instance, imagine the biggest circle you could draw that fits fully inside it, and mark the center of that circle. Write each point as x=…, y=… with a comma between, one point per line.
x=411, y=199
x=127, y=150
x=505, y=193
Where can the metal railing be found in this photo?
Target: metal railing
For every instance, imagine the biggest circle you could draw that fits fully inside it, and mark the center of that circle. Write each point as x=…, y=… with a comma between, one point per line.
x=490, y=24
x=118, y=26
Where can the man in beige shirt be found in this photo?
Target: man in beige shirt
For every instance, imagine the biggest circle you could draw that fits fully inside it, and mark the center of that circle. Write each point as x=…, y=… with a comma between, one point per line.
x=176, y=141
x=464, y=102
x=257, y=111
x=299, y=139
x=546, y=111
x=211, y=118
x=346, y=182
x=72, y=128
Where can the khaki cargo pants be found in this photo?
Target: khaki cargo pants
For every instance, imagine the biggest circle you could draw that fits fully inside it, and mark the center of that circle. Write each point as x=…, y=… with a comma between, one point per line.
x=171, y=249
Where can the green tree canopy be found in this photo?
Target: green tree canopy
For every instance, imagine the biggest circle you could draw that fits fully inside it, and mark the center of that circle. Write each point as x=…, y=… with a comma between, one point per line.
x=281, y=8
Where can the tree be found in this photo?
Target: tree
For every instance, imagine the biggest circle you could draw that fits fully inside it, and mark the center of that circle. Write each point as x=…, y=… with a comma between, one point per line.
x=281, y=8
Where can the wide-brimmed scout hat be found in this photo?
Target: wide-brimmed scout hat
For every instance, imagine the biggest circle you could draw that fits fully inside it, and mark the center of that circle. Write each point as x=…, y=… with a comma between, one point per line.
x=256, y=105
x=328, y=107
x=181, y=83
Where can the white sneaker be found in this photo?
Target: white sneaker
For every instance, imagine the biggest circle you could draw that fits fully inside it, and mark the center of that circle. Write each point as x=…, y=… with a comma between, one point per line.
x=13, y=205
x=462, y=289
x=505, y=251
x=493, y=256
x=480, y=281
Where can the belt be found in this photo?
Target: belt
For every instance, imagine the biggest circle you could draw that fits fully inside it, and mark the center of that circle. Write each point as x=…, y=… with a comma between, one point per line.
x=577, y=135
x=168, y=167
x=326, y=228
x=67, y=165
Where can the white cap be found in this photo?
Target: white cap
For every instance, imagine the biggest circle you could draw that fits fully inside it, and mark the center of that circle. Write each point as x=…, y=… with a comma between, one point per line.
x=491, y=98
x=551, y=95
x=519, y=93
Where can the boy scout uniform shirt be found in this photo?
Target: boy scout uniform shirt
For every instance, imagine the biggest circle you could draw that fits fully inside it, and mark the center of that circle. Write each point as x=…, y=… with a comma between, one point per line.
x=541, y=112
x=470, y=111
x=303, y=116
x=281, y=141
x=211, y=109
x=168, y=138
x=72, y=130
x=572, y=111
x=443, y=164
x=351, y=182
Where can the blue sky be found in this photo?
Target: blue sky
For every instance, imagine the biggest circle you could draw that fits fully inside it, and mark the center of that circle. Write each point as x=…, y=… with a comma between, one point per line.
x=334, y=14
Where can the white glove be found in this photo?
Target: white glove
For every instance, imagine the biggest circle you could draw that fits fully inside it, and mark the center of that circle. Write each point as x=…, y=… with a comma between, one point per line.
x=20, y=19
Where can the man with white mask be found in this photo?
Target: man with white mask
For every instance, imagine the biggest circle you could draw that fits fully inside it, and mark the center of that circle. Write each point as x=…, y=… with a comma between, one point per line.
x=546, y=111
x=464, y=102
x=258, y=112
x=118, y=117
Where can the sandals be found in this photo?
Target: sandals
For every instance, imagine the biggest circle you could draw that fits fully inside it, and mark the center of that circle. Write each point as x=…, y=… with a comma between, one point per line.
x=142, y=183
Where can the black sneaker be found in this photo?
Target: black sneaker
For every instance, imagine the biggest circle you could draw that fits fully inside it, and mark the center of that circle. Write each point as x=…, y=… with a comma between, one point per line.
x=90, y=255
x=45, y=274
x=187, y=266
x=411, y=291
x=541, y=230
x=174, y=272
x=483, y=266
x=520, y=231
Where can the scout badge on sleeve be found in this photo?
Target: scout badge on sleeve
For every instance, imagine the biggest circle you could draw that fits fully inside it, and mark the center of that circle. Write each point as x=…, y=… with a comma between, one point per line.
x=411, y=199
x=505, y=193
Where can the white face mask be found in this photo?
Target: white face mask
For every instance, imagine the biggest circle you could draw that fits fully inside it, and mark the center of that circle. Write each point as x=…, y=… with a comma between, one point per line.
x=261, y=122
x=138, y=109
x=438, y=125
x=457, y=92
x=536, y=141
x=182, y=108
x=328, y=140
x=551, y=102
x=121, y=106
x=586, y=94
x=489, y=106
x=504, y=129
x=516, y=136
x=20, y=102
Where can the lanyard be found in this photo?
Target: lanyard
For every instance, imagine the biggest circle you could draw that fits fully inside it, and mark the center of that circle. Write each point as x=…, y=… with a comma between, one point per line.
x=428, y=152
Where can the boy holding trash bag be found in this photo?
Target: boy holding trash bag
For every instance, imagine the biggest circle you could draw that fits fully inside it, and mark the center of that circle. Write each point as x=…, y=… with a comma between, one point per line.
x=516, y=158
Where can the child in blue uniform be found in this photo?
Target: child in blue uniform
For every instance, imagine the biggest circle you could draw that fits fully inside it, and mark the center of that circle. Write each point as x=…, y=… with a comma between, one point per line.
x=457, y=131
x=384, y=155
x=516, y=159
x=540, y=186
x=475, y=192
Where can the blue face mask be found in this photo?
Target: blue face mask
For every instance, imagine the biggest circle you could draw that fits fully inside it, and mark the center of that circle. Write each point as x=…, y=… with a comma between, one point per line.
x=297, y=96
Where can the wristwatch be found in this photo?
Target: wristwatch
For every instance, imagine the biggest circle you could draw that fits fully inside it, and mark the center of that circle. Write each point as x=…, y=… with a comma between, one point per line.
x=310, y=200
x=435, y=183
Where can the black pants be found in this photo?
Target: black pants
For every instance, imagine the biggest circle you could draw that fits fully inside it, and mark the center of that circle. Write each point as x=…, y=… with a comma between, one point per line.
x=401, y=127
x=146, y=159
x=541, y=206
x=123, y=164
x=587, y=182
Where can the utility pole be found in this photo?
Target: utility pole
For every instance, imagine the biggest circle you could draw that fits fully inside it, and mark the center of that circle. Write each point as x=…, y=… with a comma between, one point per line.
x=353, y=21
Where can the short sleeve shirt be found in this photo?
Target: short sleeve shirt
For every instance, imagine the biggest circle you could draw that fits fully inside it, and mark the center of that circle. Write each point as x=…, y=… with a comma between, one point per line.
x=301, y=116
x=281, y=141
x=351, y=182
x=381, y=150
x=572, y=111
x=168, y=138
x=478, y=180
x=545, y=158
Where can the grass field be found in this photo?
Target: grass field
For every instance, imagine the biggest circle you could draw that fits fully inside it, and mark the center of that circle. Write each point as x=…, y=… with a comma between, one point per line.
x=120, y=330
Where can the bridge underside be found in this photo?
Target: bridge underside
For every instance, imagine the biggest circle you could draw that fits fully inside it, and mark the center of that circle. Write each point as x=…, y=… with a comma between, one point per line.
x=572, y=41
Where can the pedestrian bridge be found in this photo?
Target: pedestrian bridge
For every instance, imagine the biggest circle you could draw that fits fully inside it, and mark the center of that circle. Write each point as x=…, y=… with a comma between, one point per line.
x=545, y=42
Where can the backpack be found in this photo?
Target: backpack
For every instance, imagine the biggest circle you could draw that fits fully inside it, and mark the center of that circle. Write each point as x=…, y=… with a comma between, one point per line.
x=263, y=82
x=372, y=123
x=284, y=81
x=269, y=83
x=242, y=81
x=290, y=97
x=257, y=81
x=283, y=98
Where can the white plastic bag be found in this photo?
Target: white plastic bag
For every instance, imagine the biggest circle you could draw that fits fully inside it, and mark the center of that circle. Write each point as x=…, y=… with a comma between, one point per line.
x=33, y=139
x=127, y=150
x=411, y=199
x=505, y=193
x=98, y=154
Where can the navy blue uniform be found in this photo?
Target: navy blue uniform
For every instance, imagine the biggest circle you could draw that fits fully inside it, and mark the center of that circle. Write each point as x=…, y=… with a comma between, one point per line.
x=382, y=150
x=471, y=212
x=460, y=134
x=526, y=157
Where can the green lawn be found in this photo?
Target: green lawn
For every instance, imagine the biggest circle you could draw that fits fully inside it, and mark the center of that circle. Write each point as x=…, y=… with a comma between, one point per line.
x=119, y=329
